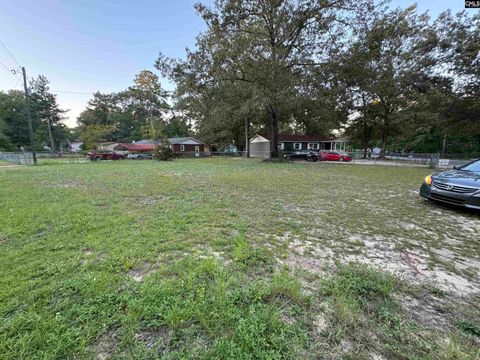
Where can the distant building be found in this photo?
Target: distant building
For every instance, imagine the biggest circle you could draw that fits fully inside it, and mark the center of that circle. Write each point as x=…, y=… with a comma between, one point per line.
x=187, y=145
x=260, y=145
x=183, y=145
x=134, y=147
x=107, y=146
x=75, y=146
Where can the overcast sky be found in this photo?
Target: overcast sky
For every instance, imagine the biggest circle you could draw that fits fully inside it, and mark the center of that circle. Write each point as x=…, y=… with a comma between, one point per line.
x=83, y=46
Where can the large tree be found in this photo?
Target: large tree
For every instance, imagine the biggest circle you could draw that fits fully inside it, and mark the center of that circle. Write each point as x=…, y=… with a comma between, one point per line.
x=139, y=111
x=47, y=117
x=386, y=64
x=46, y=114
x=12, y=113
x=270, y=45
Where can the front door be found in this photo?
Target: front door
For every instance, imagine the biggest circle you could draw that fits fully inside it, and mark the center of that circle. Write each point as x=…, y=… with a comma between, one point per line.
x=197, y=150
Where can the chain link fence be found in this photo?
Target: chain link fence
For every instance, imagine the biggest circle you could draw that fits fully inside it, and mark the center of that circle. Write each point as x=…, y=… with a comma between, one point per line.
x=427, y=159
x=26, y=158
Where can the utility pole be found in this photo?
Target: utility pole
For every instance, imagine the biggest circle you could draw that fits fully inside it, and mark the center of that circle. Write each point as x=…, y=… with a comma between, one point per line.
x=29, y=118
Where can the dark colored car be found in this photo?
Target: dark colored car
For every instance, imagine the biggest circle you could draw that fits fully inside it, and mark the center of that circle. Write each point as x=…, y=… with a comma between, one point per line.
x=306, y=155
x=333, y=156
x=104, y=155
x=460, y=186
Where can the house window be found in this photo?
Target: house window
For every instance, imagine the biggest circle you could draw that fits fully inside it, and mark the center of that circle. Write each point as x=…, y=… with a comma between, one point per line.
x=281, y=146
x=182, y=147
x=313, y=146
x=297, y=146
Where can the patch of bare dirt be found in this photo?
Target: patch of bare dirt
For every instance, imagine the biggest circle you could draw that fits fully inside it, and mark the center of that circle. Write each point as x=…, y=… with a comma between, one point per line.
x=151, y=200
x=428, y=310
x=140, y=272
x=154, y=338
x=388, y=254
x=87, y=253
x=105, y=347
x=320, y=322
x=64, y=184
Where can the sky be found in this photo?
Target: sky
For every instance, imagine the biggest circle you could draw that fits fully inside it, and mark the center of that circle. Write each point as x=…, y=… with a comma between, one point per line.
x=83, y=46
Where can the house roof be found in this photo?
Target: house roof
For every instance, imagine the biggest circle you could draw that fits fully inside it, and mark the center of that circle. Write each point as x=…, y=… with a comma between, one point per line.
x=300, y=138
x=258, y=139
x=185, y=141
x=178, y=140
x=137, y=147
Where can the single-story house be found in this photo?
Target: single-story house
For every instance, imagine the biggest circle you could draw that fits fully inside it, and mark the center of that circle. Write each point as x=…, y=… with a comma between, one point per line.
x=187, y=145
x=260, y=145
x=179, y=145
x=134, y=147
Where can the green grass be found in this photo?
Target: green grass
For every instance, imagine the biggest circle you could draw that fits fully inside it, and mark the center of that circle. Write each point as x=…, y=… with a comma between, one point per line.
x=232, y=259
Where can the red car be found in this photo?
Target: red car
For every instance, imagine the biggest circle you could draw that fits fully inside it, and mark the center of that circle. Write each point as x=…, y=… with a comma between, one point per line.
x=104, y=155
x=333, y=156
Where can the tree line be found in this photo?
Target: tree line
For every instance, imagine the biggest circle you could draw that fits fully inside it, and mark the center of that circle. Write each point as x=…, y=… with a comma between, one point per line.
x=393, y=78
x=47, y=118
x=140, y=111
x=387, y=77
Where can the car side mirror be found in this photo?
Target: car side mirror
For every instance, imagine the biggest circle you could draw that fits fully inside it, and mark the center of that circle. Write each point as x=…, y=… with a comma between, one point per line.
x=456, y=167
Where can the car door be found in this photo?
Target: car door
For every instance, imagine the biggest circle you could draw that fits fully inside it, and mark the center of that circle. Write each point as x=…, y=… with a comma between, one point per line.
x=334, y=156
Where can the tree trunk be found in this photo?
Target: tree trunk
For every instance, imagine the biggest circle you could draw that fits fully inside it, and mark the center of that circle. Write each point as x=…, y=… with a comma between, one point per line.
x=385, y=133
x=384, y=144
x=365, y=151
x=444, y=145
x=52, y=142
x=272, y=113
x=247, y=137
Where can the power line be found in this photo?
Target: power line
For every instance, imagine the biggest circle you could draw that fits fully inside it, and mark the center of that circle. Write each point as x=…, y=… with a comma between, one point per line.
x=11, y=72
x=9, y=53
x=6, y=68
x=18, y=82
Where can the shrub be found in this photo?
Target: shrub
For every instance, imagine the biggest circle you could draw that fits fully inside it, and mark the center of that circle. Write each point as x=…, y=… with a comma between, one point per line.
x=163, y=153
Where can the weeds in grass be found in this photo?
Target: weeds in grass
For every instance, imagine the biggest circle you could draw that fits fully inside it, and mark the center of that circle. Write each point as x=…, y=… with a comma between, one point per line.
x=248, y=256
x=205, y=240
x=365, y=313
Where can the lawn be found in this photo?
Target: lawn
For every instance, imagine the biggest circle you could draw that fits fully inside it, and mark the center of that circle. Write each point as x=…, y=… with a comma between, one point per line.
x=233, y=259
x=4, y=163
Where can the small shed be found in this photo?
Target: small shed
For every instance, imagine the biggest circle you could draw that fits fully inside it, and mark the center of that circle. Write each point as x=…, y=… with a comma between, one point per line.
x=260, y=147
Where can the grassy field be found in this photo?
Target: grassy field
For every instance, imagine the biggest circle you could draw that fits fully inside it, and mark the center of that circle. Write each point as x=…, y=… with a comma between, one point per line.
x=233, y=259
x=4, y=163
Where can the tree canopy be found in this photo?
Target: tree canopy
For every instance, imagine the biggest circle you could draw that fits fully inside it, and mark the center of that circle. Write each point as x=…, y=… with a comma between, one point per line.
x=386, y=76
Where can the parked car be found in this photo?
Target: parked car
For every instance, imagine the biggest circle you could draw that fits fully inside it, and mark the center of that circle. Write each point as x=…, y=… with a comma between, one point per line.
x=104, y=155
x=307, y=155
x=460, y=186
x=333, y=156
x=140, y=156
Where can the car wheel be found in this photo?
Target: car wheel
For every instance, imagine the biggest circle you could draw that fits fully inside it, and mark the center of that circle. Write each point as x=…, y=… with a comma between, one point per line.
x=341, y=159
x=98, y=158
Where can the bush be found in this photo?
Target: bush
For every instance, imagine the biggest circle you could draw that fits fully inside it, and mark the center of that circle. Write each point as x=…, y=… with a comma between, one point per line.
x=163, y=153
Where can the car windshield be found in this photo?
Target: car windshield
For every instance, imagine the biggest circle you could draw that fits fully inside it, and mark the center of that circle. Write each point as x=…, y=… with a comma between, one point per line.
x=473, y=167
